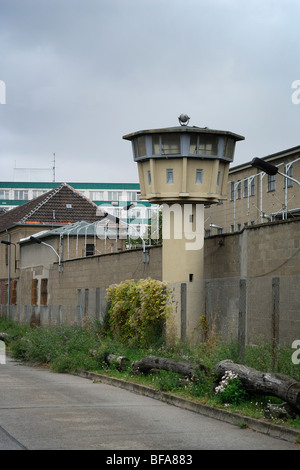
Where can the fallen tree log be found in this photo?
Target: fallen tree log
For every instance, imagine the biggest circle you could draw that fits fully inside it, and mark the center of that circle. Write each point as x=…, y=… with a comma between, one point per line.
x=264, y=383
x=121, y=362
x=159, y=363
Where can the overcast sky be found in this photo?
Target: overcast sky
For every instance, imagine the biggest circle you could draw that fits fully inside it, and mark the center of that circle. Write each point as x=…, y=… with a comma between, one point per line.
x=80, y=74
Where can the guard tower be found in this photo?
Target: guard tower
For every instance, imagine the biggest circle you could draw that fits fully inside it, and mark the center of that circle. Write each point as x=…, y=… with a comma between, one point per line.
x=183, y=168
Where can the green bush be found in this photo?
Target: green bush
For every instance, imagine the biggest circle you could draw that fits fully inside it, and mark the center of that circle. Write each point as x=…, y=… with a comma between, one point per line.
x=138, y=310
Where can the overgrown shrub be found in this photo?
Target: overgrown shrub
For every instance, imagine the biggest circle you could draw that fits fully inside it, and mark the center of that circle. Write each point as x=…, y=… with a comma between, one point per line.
x=138, y=310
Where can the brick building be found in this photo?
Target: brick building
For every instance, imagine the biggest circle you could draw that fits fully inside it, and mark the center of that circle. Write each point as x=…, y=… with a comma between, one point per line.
x=254, y=197
x=58, y=207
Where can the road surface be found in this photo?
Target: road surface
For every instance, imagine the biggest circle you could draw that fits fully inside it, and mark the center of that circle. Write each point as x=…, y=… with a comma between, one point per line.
x=43, y=410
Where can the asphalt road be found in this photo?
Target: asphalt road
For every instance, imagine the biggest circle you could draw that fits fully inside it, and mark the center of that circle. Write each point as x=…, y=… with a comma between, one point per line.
x=43, y=410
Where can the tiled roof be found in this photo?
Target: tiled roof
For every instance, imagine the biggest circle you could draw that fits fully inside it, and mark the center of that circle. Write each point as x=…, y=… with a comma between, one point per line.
x=61, y=205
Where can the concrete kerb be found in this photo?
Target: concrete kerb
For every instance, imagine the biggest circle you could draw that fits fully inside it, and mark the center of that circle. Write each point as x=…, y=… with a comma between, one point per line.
x=273, y=430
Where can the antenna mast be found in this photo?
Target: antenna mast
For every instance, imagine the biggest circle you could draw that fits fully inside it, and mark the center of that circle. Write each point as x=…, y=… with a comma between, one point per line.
x=53, y=168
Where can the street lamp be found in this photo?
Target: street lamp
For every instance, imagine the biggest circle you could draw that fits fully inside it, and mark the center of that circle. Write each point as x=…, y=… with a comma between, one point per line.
x=37, y=240
x=270, y=169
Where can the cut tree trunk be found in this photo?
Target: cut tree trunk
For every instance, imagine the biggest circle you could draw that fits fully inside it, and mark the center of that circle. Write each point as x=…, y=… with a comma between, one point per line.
x=121, y=362
x=158, y=363
x=264, y=383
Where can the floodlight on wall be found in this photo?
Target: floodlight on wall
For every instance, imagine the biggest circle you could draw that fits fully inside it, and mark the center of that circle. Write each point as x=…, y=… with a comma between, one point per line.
x=37, y=240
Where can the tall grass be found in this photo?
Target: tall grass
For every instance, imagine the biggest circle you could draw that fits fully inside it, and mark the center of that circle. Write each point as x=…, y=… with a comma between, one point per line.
x=71, y=348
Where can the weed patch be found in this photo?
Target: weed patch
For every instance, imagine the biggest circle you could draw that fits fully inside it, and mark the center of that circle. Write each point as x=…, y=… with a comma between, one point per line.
x=71, y=348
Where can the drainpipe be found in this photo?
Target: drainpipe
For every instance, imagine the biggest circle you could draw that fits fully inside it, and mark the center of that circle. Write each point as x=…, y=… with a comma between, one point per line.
x=8, y=274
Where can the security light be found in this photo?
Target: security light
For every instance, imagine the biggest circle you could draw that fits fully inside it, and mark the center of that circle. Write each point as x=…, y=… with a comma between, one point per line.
x=270, y=169
x=183, y=119
x=36, y=240
x=264, y=166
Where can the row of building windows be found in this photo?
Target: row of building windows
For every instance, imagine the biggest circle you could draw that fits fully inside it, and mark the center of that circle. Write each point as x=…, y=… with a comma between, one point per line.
x=25, y=195
x=249, y=185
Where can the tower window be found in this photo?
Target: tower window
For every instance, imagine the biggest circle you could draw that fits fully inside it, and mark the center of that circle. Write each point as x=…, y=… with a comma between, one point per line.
x=170, y=177
x=199, y=175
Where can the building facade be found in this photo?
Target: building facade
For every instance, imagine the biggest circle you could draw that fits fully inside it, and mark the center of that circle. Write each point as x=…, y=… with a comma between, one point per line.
x=253, y=197
x=115, y=198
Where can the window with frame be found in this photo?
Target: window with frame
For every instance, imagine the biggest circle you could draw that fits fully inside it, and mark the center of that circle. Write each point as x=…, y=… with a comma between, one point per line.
x=170, y=176
x=252, y=187
x=246, y=188
x=232, y=190
x=289, y=172
x=131, y=196
x=34, y=291
x=208, y=146
x=170, y=144
x=4, y=194
x=89, y=249
x=204, y=145
x=229, y=148
x=166, y=144
x=239, y=190
x=114, y=195
x=271, y=182
x=149, y=177
x=97, y=195
x=199, y=176
x=140, y=146
x=44, y=291
x=20, y=195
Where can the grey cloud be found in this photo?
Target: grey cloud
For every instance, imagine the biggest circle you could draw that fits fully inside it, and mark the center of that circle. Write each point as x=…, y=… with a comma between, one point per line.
x=82, y=73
